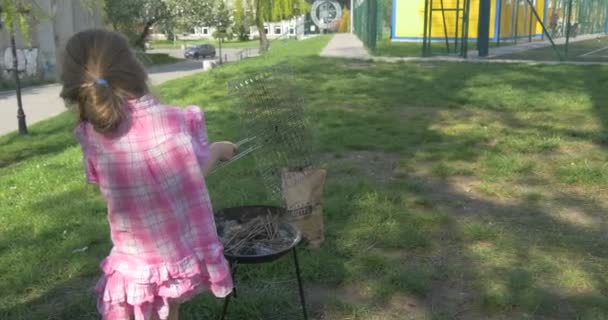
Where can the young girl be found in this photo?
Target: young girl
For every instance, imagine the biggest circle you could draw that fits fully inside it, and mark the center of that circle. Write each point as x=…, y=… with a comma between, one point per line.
x=148, y=161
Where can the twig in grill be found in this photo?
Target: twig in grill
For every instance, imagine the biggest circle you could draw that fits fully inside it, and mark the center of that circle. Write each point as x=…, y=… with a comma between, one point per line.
x=257, y=236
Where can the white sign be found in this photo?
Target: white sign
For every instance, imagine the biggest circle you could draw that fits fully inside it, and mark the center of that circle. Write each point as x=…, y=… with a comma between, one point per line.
x=325, y=12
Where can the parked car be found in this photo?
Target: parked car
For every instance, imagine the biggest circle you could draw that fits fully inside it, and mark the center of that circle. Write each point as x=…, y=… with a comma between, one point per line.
x=200, y=52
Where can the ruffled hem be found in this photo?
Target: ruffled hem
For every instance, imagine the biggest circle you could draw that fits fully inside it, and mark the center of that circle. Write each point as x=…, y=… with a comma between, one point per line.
x=130, y=288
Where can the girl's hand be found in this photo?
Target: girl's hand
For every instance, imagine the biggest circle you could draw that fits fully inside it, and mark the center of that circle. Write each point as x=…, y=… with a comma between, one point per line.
x=219, y=151
x=224, y=150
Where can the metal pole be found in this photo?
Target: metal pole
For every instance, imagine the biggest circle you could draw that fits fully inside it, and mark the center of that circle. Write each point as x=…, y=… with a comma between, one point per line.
x=513, y=13
x=545, y=30
x=301, y=289
x=20, y=114
x=430, y=41
x=220, y=43
x=516, y=21
x=465, y=29
x=445, y=27
x=568, y=28
x=456, y=31
x=352, y=11
x=373, y=24
x=606, y=21
x=483, y=31
x=426, y=27
x=499, y=17
x=529, y=26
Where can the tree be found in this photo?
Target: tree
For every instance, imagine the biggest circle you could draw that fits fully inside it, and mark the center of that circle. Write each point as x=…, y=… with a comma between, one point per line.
x=345, y=21
x=387, y=14
x=276, y=10
x=242, y=20
x=222, y=22
x=135, y=18
x=16, y=17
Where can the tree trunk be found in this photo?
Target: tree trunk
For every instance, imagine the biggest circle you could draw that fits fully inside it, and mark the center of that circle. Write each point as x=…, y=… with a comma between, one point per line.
x=220, y=45
x=263, y=38
x=141, y=41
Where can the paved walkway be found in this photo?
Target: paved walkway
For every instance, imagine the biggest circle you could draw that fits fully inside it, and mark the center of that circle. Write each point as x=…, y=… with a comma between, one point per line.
x=43, y=102
x=348, y=46
x=345, y=45
x=525, y=46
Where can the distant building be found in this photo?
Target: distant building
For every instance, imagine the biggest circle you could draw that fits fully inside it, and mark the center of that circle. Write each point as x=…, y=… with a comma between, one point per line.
x=39, y=58
x=292, y=28
x=287, y=29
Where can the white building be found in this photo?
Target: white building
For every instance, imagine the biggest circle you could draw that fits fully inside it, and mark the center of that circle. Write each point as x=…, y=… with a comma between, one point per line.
x=293, y=28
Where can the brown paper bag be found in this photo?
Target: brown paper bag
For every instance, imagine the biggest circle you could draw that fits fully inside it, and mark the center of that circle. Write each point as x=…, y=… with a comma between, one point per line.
x=303, y=192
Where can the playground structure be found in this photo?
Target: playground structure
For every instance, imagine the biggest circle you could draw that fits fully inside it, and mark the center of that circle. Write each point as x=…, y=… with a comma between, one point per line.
x=456, y=24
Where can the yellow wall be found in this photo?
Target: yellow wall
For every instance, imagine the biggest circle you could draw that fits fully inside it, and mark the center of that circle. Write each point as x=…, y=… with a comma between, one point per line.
x=409, y=18
x=515, y=19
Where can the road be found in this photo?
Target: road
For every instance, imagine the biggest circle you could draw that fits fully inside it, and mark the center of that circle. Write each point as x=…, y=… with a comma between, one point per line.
x=43, y=102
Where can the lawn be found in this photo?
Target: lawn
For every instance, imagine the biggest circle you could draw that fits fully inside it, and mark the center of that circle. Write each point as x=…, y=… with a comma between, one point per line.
x=10, y=84
x=594, y=50
x=455, y=191
x=168, y=44
x=157, y=59
x=388, y=48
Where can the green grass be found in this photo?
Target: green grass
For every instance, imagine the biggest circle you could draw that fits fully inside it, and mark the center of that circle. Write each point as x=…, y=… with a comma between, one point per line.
x=10, y=85
x=388, y=48
x=474, y=190
x=168, y=44
x=157, y=59
x=576, y=50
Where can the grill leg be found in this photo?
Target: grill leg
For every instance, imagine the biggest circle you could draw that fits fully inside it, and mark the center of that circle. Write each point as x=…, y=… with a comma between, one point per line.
x=233, y=271
x=233, y=293
x=225, y=309
x=302, y=299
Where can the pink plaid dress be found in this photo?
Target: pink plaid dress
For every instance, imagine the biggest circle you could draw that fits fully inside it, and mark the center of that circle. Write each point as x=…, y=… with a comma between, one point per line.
x=166, y=247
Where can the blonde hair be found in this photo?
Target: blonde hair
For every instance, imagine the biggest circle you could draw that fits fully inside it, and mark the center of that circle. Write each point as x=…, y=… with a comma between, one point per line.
x=99, y=73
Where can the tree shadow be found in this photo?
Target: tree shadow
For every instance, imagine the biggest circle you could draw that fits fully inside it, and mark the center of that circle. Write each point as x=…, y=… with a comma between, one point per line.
x=48, y=138
x=55, y=256
x=71, y=299
x=392, y=110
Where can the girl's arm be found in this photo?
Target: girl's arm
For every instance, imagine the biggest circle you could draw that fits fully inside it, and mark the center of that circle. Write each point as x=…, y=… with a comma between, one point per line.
x=219, y=151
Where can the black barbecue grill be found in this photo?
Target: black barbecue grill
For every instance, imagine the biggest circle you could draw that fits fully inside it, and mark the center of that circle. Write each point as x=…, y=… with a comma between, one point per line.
x=290, y=238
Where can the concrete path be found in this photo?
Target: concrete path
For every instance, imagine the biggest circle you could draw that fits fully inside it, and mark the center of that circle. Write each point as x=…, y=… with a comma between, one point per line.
x=345, y=45
x=43, y=102
x=525, y=46
x=483, y=60
x=348, y=46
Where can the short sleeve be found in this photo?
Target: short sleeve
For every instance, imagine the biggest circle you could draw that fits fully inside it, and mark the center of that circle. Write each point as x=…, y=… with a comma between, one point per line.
x=87, y=156
x=197, y=129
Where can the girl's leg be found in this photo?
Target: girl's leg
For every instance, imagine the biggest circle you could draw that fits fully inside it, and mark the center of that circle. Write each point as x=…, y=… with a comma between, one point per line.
x=173, y=313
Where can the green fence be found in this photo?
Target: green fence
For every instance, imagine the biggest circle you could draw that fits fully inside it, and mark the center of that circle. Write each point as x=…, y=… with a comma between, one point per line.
x=368, y=26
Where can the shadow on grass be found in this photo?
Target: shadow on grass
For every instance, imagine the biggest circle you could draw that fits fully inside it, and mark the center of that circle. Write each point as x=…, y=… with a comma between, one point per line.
x=72, y=299
x=46, y=139
x=58, y=279
x=413, y=238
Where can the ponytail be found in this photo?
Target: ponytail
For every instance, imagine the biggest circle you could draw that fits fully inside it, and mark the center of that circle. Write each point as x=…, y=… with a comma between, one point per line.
x=100, y=73
x=101, y=106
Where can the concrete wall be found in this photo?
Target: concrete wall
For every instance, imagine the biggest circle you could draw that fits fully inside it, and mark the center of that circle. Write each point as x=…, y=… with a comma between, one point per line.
x=38, y=59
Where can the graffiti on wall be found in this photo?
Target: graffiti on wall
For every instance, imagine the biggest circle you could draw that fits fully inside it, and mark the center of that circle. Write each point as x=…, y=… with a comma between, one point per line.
x=27, y=62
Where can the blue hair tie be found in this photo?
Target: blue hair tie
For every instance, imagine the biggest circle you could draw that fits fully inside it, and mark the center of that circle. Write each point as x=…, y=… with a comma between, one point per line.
x=102, y=82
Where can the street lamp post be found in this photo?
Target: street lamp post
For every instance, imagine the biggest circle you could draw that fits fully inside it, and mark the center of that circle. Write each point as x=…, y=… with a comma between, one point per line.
x=20, y=112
